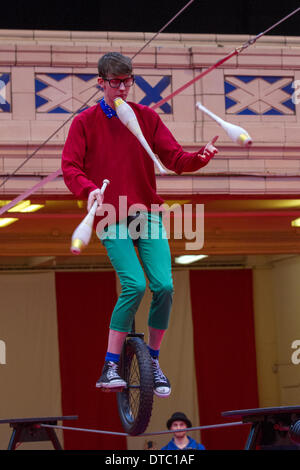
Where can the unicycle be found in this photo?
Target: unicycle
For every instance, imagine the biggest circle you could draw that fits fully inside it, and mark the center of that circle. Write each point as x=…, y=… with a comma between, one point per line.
x=135, y=402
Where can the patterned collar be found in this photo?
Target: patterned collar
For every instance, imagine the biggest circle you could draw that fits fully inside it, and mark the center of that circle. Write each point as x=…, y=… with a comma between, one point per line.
x=108, y=111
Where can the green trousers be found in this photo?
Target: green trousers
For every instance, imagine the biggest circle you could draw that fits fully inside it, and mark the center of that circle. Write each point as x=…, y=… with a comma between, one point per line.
x=121, y=241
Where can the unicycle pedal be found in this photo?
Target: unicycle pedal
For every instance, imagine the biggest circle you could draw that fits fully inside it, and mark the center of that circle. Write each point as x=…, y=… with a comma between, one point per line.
x=112, y=389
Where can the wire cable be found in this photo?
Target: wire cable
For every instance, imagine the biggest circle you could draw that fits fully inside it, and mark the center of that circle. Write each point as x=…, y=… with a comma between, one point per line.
x=155, y=433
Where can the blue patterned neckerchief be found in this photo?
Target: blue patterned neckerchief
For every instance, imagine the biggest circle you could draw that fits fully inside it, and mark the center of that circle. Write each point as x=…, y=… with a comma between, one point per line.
x=108, y=111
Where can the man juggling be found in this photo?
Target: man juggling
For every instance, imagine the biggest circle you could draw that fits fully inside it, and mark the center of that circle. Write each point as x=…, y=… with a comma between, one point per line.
x=101, y=146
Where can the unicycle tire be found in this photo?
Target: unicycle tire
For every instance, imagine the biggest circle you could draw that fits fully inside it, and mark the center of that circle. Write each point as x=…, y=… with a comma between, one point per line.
x=135, y=402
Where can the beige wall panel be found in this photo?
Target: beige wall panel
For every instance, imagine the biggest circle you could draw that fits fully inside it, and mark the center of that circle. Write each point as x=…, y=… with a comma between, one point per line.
x=30, y=379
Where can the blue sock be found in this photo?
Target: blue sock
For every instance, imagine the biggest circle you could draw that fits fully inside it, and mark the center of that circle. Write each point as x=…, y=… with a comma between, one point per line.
x=154, y=353
x=112, y=357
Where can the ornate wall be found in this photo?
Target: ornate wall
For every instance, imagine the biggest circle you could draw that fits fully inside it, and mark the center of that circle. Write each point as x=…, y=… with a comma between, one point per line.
x=45, y=76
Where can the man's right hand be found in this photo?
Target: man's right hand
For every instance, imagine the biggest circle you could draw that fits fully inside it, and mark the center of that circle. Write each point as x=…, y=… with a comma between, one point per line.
x=96, y=194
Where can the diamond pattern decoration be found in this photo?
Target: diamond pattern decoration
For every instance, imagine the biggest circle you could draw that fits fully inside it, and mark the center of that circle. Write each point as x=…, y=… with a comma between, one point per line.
x=152, y=89
x=5, y=93
x=63, y=92
x=259, y=95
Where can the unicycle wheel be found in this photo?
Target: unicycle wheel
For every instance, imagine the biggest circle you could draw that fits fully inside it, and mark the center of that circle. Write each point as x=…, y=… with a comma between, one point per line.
x=136, y=400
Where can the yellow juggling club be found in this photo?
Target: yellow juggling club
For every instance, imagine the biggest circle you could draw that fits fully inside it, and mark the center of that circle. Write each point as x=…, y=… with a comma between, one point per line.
x=82, y=234
x=235, y=133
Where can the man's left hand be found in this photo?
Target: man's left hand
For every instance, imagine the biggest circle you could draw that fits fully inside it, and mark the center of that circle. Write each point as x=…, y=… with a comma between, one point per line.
x=210, y=150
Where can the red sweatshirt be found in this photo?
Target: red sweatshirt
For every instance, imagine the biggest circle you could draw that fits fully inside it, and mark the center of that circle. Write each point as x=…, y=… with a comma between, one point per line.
x=99, y=148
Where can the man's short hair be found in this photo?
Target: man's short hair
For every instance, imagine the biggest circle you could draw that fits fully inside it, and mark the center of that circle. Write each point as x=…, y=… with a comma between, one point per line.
x=114, y=63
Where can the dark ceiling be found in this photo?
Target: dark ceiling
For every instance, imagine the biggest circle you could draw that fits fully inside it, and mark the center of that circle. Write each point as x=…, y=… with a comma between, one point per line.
x=201, y=16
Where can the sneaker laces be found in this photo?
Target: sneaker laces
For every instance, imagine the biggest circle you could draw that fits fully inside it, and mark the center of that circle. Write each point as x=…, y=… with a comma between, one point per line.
x=112, y=372
x=157, y=372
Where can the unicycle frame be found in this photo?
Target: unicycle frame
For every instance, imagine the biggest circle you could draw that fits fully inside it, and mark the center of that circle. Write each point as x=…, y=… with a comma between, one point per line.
x=135, y=401
x=133, y=333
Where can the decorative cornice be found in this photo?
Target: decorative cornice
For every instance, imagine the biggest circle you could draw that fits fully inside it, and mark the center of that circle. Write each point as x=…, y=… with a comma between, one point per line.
x=82, y=49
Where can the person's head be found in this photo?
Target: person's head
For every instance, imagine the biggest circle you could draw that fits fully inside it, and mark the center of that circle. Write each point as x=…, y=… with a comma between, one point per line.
x=179, y=422
x=179, y=428
x=115, y=76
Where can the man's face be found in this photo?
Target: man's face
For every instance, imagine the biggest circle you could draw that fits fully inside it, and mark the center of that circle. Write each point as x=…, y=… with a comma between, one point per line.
x=111, y=93
x=179, y=427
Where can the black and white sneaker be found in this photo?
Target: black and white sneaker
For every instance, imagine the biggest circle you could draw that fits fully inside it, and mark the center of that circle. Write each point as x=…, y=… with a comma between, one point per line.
x=110, y=378
x=162, y=387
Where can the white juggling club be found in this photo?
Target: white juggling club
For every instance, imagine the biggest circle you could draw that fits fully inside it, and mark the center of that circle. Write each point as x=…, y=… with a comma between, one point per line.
x=128, y=118
x=82, y=234
x=236, y=133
